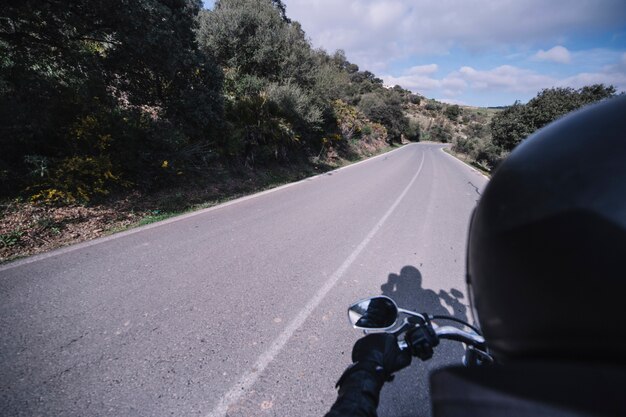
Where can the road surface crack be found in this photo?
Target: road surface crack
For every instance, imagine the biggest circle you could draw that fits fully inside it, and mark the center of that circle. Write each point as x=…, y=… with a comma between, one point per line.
x=475, y=187
x=73, y=341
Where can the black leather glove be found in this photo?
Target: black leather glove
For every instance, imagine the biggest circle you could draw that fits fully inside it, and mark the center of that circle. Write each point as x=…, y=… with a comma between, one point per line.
x=376, y=357
x=382, y=350
x=422, y=339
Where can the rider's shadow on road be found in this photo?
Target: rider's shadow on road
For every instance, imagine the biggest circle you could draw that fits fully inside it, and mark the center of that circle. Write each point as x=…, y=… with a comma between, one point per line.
x=408, y=394
x=406, y=289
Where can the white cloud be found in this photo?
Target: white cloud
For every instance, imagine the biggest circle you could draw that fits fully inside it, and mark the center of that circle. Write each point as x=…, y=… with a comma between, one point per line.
x=387, y=30
x=558, y=54
x=453, y=86
x=383, y=14
x=452, y=101
x=417, y=83
x=423, y=69
x=421, y=78
x=617, y=79
x=502, y=79
x=505, y=77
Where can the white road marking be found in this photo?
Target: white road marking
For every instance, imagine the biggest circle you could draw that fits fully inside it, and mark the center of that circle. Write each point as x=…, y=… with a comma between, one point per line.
x=465, y=163
x=246, y=381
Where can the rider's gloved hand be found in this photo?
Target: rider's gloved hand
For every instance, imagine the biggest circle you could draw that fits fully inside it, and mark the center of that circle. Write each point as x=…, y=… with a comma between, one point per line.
x=381, y=350
x=377, y=354
x=376, y=357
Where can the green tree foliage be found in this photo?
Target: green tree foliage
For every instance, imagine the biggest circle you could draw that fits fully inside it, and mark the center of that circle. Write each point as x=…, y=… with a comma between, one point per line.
x=452, y=112
x=282, y=9
x=465, y=145
x=489, y=144
x=433, y=106
x=341, y=62
x=353, y=126
x=518, y=121
x=271, y=76
x=272, y=72
x=511, y=126
x=385, y=107
x=252, y=38
x=413, y=131
x=99, y=92
x=332, y=76
x=440, y=132
x=415, y=99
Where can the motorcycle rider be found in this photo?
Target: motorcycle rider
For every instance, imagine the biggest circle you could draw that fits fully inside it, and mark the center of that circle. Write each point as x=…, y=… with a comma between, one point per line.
x=545, y=258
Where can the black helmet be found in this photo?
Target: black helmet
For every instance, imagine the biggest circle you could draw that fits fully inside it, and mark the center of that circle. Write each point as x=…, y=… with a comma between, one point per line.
x=546, y=255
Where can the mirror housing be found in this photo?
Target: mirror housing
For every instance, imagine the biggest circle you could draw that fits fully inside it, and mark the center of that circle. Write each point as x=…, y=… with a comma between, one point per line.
x=375, y=313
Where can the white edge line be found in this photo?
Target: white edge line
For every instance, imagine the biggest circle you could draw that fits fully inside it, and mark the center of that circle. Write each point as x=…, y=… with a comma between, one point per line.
x=464, y=163
x=82, y=245
x=247, y=380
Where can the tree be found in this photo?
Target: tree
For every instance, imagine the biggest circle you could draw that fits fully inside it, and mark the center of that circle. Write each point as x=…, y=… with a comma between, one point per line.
x=415, y=99
x=341, y=62
x=108, y=85
x=510, y=127
x=385, y=107
x=412, y=130
x=515, y=123
x=552, y=103
x=440, y=132
x=453, y=112
x=253, y=37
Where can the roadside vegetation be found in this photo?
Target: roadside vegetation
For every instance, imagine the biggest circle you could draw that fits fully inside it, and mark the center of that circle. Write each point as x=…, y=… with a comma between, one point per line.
x=483, y=137
x=114, y=114
x=489, y=136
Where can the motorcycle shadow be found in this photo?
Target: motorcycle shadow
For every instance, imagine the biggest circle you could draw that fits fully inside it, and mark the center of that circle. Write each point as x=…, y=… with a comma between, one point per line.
x=408, y=394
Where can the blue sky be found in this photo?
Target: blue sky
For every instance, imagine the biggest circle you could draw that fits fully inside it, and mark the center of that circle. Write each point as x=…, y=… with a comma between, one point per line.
x=474, y=52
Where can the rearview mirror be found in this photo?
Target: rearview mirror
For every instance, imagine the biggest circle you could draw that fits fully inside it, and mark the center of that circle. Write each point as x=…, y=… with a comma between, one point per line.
x=375, y=313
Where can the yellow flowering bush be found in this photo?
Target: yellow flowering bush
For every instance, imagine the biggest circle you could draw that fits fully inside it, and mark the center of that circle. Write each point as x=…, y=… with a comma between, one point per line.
x=76, y=179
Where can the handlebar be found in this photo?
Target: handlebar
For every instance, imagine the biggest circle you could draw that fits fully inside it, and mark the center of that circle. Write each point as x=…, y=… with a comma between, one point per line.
x=452, y=333
x=445, y=332
x=422, y=347
x=421, y=333
x=449, y=333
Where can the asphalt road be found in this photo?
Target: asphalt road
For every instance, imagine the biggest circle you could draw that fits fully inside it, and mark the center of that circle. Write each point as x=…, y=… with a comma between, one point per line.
x=240, y=310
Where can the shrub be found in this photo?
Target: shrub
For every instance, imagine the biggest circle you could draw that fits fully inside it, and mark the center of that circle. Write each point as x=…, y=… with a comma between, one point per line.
x=295, y=105
x=415, y=99
x=76, y=180
x=465, y=145
x=453, y=112
x=412, y=131
x=432, y=106
x=489, y=155
x=516, y=122
x=384, y=107
x=10, y=239
x=440, y=133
